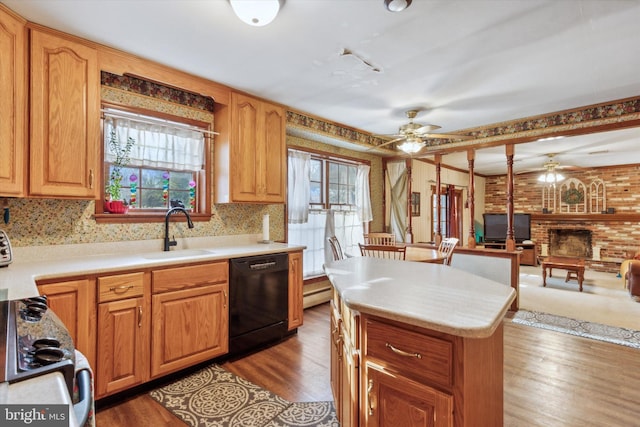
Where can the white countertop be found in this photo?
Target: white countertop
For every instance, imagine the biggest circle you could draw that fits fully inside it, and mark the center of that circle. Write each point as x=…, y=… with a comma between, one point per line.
x=432, y=296
x=58, y=261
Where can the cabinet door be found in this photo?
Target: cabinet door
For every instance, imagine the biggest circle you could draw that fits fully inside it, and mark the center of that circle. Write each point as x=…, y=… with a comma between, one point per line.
x=258, y=150
x=296, y=303
x=74, y=302
x=123, y=345
x=336, y=361
x=350, y=396
x=189, y=326
x=65, y=119
x=392, y=400
x=13, y=113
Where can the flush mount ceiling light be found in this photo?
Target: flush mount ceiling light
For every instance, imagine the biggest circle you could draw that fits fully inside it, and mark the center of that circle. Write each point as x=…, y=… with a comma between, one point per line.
x=256, y=12
x=550, y=176
x=396, y=5
x=411, y=145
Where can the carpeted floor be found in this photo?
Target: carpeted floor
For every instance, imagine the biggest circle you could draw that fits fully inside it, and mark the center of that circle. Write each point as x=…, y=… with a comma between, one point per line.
x=604, y=299
x=216, y=397
x=581, y=328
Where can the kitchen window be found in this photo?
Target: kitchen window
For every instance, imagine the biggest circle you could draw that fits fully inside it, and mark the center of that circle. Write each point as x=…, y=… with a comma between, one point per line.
x=333, y=185
x=150, y=160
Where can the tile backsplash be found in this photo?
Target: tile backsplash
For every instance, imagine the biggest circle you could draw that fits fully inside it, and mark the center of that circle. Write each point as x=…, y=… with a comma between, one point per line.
x=37, y=222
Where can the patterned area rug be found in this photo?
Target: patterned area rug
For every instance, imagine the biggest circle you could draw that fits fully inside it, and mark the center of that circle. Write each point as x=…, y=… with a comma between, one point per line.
x=216, y=397
x=581, y=328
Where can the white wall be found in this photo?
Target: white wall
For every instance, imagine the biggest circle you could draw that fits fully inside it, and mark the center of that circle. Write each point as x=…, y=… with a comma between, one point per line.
x=421, y=174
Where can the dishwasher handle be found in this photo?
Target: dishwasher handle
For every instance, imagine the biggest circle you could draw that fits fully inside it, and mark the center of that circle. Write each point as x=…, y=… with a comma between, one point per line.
x=262, y=265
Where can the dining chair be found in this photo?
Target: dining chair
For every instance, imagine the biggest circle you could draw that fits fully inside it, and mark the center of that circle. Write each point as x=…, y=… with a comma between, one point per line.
x=446, y=247
x=336, y=249
x=383, y=251
x=379, y=239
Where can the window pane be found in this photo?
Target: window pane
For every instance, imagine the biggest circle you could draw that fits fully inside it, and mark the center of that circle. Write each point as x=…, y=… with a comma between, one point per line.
x=334, y=194
x=316, y=192
x=333, y=173
x=152, y=199
x=344, y=175
x=316, y=170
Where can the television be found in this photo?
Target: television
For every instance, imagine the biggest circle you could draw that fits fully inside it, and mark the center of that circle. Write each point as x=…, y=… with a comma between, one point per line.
x=495, y=227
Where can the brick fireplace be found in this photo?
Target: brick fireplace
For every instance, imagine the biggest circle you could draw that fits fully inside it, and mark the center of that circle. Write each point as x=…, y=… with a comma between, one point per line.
x=570, y=242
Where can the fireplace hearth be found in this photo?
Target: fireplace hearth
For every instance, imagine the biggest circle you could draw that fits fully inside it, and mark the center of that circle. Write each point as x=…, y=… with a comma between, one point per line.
x=570, y=243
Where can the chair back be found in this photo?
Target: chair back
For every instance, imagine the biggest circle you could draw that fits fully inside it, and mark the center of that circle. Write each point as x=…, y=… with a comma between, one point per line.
x=379, y=239
x=336, y=249
x=446, y=248
x=383, y=251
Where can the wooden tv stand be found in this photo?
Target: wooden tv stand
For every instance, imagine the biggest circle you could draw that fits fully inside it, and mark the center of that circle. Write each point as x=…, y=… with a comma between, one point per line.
x=528, y=255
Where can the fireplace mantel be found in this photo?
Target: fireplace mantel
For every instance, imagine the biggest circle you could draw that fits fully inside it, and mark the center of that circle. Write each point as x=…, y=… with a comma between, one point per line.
x=618, y=217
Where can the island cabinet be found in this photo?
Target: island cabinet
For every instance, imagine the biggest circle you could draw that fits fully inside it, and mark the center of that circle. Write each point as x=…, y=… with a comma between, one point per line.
x=345, y=364
x=74, y=301
x=413, y=376
x=251, y=162
x=64, y=117
x=123, y=332
x=295, y=296
x=190, y=316
x=13, y=104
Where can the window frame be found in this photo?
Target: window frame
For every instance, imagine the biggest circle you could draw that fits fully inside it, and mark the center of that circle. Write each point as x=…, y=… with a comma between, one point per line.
x=149, y=215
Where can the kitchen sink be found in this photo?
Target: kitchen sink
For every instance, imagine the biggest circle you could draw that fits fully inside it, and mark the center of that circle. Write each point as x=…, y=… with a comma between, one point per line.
x=185, y=253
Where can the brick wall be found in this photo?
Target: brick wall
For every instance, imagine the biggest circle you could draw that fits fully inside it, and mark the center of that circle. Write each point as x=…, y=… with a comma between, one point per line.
x=615, y=238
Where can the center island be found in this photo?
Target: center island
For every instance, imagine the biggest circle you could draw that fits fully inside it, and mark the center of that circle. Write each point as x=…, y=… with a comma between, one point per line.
x=416, y=344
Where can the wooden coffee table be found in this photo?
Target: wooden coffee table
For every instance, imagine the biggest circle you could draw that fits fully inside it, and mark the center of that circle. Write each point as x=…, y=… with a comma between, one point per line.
x=574, y=267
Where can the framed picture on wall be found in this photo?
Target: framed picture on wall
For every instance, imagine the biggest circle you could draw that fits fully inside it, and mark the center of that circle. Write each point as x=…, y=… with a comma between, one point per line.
x=415, y=204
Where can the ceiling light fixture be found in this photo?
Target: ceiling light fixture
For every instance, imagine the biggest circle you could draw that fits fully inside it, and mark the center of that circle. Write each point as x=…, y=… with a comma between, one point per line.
x=256, y=12
x=550, y=176
x=396, y=5
x=411, y=145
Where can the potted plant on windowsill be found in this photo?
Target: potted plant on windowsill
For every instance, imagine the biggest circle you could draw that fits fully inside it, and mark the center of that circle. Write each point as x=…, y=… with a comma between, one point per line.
x=114, y=202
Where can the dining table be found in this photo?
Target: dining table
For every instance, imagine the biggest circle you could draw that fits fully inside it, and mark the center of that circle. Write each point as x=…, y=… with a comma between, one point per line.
x=429, y=255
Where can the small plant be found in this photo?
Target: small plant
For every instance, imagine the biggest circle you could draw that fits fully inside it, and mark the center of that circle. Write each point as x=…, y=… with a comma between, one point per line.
x=122, y=158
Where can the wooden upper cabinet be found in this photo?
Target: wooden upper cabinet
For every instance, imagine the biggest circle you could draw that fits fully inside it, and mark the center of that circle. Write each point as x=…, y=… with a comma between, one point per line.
x=65, y=117
x=13, y=113
x=257, y=151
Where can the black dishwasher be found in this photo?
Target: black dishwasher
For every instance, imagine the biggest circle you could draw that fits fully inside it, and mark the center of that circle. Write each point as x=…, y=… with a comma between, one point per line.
x=258, y=301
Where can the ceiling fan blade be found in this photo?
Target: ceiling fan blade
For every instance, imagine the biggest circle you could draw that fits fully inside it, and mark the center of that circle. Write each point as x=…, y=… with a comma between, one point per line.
x=387, y=143
x=426, y=128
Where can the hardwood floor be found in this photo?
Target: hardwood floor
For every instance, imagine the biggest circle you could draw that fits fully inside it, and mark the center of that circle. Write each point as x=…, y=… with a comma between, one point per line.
x=550, y=378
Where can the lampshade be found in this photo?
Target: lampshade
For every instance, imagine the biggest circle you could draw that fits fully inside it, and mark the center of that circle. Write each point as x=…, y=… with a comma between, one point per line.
x=550, y=176
x=256, y=12
x=396, y=5
x=411, y=145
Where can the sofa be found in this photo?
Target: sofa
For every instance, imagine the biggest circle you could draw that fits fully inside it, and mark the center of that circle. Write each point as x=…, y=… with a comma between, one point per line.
x=632, y=278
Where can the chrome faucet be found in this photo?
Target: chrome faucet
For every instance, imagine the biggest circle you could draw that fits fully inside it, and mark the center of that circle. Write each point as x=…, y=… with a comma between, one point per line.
x=175, y=209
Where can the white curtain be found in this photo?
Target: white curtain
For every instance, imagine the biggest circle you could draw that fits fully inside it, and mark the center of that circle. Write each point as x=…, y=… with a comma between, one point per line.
x=299, y=184
x=397, y=179
x=157, y=145
x=313, y=234
x=363, y=197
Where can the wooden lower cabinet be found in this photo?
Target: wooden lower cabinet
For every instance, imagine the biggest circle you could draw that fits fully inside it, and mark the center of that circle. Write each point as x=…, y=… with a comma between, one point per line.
x=123, y=346
x=392, y=400
x=190, y=316
x=344, y=367
x=296, y=302
x=124, y=320
x=74, y=302
x=189, y=326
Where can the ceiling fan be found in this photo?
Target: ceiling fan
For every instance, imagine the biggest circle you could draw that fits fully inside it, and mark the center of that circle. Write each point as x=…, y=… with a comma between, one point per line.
x=412, y=136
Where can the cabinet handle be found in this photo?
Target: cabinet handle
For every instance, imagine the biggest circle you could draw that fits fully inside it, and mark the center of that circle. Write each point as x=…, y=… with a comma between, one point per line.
x=369, y=390
x=91, y=179
x=403, y=353
x=120, y=289
x=225, y=299
x=139, y=316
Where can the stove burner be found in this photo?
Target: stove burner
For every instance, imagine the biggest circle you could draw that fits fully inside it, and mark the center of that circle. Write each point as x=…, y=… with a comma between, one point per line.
x=48, y=355
x=33, y=311
x=46, y=342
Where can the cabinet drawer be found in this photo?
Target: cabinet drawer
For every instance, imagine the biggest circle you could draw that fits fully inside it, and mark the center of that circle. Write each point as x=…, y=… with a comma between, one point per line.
x=120, y=286
x=173, y=279
x=417, y=356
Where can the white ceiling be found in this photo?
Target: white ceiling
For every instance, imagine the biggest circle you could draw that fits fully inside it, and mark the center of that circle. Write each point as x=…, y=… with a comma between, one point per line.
x=463, y=63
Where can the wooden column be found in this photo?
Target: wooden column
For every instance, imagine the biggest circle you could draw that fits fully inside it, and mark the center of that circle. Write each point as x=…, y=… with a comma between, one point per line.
x=510, y=243
x=438, y=232
x=471, y=155
x=408, y=235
